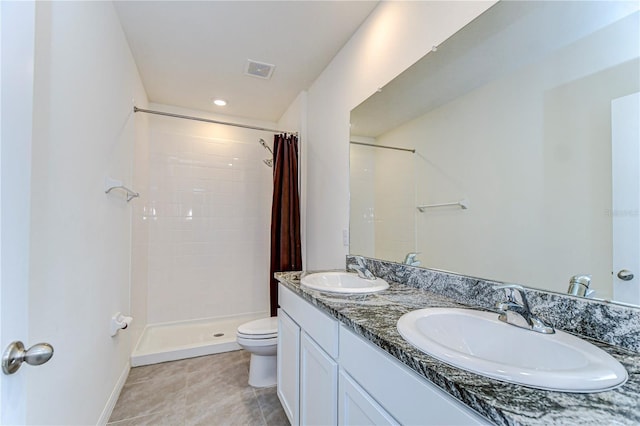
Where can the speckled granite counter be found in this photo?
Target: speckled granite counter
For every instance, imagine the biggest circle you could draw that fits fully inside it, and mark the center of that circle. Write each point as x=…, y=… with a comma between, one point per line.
x=374, y=317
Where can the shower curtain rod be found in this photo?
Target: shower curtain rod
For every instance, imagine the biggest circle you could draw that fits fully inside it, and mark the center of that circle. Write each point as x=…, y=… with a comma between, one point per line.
x=413, y=151
x=206, y=120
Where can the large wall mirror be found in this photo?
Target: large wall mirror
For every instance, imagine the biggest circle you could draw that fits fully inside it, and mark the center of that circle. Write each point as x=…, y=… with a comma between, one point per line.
x=511, y=151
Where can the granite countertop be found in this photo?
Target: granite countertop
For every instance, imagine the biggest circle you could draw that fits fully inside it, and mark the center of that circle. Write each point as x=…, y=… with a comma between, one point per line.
x=374, y=317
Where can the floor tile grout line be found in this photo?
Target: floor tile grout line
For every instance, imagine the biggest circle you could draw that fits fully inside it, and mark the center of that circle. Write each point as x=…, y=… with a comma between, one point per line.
x=264, y=418
x=152, y=413
x=135, y=417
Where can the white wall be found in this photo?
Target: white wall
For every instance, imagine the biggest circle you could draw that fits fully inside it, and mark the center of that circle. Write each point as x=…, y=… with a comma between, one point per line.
x=209, y=215
x=295, y=117
x=85, y=80
x=394, y=36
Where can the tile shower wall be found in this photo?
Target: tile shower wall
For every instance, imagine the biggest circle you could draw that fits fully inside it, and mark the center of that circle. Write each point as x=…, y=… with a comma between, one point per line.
x=383, y=203
x=208, y=213
x=140, y=226
x=395, y=202
x=362, y=195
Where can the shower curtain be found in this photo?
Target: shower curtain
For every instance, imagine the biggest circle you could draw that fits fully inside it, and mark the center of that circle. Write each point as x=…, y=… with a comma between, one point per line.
x=286, y=252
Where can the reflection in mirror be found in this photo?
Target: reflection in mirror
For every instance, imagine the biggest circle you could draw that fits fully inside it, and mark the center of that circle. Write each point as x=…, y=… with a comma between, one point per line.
x=530, y=115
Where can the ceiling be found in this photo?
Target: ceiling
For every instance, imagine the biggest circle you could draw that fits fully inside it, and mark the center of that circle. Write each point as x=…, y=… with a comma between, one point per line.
x=189, y=52
x=459, y=65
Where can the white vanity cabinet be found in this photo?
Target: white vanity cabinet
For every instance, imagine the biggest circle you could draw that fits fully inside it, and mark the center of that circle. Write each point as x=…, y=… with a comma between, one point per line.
x=328, y=375
x=307, y=366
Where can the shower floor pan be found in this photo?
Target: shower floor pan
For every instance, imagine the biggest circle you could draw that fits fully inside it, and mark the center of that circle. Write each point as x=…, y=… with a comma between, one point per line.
x=188, y=339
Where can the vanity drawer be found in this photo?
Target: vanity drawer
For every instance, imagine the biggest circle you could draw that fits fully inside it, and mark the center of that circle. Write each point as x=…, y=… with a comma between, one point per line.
x=390, y=383
x=318, y=325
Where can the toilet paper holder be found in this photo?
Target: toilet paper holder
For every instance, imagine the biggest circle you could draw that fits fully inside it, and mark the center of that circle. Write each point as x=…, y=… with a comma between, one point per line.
x=119, y=322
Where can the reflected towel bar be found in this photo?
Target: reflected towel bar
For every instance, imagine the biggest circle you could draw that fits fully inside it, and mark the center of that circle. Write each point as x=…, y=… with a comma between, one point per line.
x=463, y=204
x=111, y=184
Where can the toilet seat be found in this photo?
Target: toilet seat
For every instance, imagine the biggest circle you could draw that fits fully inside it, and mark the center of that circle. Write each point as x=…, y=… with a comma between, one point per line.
x=265, y=328
x=253, y=345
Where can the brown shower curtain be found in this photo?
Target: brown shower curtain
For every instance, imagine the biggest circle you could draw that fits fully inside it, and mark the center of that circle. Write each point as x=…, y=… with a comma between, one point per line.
x=286, y=252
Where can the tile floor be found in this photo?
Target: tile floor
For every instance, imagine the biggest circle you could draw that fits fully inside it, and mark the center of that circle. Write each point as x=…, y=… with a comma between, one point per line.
x=209, y=390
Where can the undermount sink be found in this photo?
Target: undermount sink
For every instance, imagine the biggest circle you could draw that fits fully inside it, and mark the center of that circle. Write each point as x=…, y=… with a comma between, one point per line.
x=477, y=341
x=343, y=282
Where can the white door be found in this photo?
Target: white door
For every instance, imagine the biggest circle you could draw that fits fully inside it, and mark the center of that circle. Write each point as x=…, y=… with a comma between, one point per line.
x=288, y=368
x=16, y=109
x=625, y=135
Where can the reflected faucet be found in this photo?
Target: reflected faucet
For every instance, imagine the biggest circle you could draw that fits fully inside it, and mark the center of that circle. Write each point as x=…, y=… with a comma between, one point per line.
x=361, y=269
x=579, y=286
x=410, y=259
x=511, y=304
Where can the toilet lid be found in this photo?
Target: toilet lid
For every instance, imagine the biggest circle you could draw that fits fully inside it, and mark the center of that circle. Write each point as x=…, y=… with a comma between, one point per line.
x=262, y=328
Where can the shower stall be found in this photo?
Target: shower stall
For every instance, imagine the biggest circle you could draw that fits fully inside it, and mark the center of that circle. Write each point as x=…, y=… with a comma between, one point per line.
x=208, y=210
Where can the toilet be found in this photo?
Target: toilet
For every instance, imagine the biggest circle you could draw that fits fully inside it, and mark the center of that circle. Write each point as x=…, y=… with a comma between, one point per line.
x=260, y=338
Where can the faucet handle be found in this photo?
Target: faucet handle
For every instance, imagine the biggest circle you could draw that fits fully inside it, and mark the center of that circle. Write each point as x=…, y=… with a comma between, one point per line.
x=354, y=267
x=410, y=259
x=513, y=286
x=362, y=271
x=535, y=323
x=359, y=261
x=509, y=289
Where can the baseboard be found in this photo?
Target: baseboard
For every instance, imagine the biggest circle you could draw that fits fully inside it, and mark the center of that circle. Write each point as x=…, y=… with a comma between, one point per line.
x=113, y=398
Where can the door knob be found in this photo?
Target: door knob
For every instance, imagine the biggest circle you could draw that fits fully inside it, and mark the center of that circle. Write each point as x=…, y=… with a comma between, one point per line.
x=625, y=275
x=15, y=355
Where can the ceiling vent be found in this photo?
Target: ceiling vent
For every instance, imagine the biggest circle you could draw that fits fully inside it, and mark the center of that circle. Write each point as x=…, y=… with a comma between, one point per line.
x=259, y=69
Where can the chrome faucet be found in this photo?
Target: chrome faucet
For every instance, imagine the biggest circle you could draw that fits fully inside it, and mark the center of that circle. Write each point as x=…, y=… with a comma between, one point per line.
x=410, y=259
x=579, y=286
x=361, y=269
x=511, y=304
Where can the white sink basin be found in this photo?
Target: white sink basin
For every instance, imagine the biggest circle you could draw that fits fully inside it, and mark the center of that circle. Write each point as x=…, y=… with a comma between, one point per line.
x=477, y=341
x=343, y=282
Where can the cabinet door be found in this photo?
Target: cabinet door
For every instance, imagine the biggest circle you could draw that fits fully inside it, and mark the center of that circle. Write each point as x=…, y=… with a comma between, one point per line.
x=318, y=385
x=357, y=407
x=289, y=366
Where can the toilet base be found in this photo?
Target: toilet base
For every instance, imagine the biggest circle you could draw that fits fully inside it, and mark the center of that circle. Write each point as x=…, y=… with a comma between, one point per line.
x=262, y=371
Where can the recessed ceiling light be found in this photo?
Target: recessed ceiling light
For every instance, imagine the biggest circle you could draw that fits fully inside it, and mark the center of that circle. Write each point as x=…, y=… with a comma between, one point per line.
x=220, y=102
